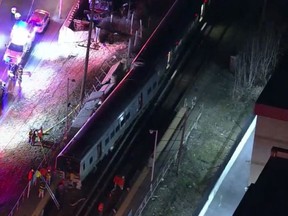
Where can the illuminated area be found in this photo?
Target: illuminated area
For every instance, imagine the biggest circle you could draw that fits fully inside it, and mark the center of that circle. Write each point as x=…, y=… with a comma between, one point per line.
x=53, y=51
x=22, y=33
x=39, y=99
x=21, y=38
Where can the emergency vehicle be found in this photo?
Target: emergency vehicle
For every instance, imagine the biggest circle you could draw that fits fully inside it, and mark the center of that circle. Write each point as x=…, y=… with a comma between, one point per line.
x=21, y=39
x=40, y=20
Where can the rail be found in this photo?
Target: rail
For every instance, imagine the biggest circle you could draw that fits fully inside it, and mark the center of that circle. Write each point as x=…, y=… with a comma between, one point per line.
x=23, y=195
x=167, y=148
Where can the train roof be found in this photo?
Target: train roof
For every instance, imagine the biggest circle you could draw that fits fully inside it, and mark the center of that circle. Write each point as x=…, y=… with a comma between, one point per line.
x=151, y=53
x=106, y=114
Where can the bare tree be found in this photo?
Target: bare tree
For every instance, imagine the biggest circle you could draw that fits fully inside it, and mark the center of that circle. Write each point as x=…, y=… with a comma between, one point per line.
x=254, y=65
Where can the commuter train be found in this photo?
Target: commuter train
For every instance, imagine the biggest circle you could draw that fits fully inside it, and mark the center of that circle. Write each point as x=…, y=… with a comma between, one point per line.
x=134, y=93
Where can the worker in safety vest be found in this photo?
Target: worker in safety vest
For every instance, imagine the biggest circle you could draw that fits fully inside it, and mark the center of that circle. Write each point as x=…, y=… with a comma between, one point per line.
x=119, y=181
x=48, y=177
x=40, y=134
x=30, y=178
x=42, y=187
x=100, y=208
x=37, y=175
x=19, y=74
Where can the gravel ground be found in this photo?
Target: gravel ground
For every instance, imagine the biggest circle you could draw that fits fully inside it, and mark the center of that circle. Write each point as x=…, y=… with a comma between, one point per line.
x=211, y=139
x=208, y=144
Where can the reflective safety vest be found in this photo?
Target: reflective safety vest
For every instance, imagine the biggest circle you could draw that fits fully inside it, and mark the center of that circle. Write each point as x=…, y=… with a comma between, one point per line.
x=120, y=181
x=37, y=174
x=42, y=186
x=101, y=207
x=30, y=174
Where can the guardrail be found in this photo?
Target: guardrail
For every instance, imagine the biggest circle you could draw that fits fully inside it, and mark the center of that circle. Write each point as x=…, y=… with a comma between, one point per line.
x=170, y=142
x=23, y=195
x=72, y=12
x=20, y=199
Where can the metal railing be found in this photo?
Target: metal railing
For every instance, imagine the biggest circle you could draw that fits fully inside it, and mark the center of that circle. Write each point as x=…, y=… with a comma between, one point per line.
x=23, y=195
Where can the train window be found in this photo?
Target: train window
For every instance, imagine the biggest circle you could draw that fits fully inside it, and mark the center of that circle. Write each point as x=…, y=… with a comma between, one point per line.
x=117, y=128
x=122, y=122
x=128, y=115
x=106, y=141
x=149, y=91
x=154, y=85
x=99, y=150
x=140, y=102
x=112, y=134
x=83, y=167
x=91, y=160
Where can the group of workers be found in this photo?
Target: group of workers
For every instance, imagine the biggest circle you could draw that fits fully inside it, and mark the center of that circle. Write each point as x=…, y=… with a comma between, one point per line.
x=35, y=135
x=15, y=72
x=43, y=176
x=119, y=183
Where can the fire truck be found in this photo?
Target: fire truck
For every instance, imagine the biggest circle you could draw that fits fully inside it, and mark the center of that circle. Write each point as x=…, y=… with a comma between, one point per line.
x=21, y=39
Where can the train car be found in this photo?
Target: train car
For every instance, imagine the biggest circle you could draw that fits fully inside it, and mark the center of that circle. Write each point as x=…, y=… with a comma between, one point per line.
x=133, y=95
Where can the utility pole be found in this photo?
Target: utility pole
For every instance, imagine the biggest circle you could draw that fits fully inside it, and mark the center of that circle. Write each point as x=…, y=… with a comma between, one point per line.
x=68, y=103
x=91, y=24
x=60, y=8
x=154, y=156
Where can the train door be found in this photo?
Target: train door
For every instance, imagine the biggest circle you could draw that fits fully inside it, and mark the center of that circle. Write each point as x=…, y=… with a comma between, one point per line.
x=140, y=102
x=99, y=150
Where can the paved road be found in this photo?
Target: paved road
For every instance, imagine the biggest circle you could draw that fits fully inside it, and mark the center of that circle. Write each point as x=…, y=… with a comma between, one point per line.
x=25, y=7
x=11, y=172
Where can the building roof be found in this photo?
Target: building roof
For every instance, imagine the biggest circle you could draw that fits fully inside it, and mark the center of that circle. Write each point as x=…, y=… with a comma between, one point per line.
x=268, y=196
x=273, y=101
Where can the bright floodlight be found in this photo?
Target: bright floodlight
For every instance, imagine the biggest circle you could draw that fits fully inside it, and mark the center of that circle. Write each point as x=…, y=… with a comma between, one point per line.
x=21, y=33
